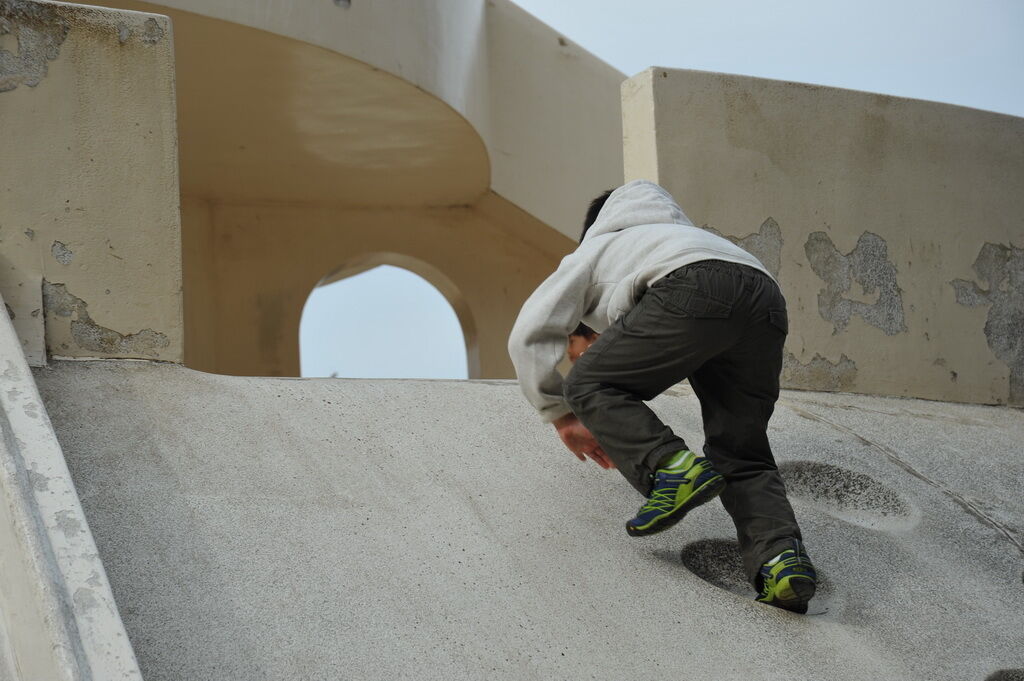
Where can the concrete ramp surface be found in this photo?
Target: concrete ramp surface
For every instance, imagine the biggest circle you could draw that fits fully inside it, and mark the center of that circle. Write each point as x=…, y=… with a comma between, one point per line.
x=338, y=529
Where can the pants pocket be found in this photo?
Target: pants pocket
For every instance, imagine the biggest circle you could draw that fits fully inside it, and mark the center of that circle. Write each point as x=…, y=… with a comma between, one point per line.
x=692, y=302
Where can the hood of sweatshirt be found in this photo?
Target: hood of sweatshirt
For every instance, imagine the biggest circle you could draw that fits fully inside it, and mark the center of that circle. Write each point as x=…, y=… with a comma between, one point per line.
x=640, y=202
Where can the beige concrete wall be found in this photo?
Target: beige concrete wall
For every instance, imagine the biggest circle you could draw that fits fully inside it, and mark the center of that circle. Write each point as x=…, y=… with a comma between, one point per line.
x=89, y=227
x=250, y=267
x=896, y=226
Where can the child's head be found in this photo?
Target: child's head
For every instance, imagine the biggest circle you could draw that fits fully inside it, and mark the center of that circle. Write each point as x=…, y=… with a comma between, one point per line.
x=592, y=212
x=580, y=339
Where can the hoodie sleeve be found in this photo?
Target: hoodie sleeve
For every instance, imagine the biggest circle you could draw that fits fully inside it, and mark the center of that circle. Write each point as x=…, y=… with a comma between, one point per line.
x=539, y=337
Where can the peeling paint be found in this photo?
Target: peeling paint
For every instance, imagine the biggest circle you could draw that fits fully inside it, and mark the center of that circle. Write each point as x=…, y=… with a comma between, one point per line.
x=819, y=373
x=40, y=32
x=85, y=599
x=67, y=523
x=868, y=264
x=61, y=253
x=39, y=482
x=765, y=244
x=1001, y=269
x=89, y=335
x=124, y=32
x=152, y=32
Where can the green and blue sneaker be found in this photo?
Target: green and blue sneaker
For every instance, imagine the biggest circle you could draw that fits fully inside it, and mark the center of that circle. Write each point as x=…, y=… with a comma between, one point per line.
x=681, y=484
x=788, y=580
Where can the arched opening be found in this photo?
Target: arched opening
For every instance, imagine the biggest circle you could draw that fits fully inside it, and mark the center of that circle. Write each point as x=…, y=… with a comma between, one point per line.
x=387, y=316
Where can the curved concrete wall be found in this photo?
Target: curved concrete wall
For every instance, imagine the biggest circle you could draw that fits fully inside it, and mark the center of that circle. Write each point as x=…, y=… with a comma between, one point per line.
x=301, y=117
x=547, y=111
x=895, y=226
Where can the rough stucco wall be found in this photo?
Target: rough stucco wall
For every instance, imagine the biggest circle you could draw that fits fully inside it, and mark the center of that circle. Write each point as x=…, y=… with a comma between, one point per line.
x=555, y=120
x=895, y=226
x=250, y=268
x=88, y=183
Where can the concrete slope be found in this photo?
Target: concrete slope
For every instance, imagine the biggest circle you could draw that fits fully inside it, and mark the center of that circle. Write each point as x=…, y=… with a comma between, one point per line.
x=339, y=529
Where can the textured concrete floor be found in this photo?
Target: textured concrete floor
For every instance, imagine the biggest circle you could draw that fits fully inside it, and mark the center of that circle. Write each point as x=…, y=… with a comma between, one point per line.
x=333, y=529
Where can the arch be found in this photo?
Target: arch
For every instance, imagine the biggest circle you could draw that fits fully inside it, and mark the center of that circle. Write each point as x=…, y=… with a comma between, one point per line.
x=435, y=278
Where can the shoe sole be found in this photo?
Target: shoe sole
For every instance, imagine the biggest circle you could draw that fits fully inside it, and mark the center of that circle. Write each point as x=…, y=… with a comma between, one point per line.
x=794, y=593
x=708, y=491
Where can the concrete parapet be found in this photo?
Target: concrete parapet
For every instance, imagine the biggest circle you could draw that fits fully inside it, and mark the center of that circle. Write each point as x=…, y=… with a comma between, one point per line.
x=895, y=226
x=89, y=223
x=58, y=619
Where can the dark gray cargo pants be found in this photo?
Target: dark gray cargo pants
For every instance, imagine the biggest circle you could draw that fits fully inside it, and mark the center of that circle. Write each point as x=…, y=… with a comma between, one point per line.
x=722, y=326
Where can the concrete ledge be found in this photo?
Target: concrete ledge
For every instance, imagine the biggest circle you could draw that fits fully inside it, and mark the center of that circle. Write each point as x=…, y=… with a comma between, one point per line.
x=58, y=619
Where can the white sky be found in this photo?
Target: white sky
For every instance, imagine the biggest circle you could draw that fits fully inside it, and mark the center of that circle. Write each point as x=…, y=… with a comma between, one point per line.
x=390, y=323
x=384, y=323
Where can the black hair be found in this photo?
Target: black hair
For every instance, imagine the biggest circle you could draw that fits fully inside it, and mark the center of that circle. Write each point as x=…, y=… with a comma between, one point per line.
x=595, y=208
x=584, y=331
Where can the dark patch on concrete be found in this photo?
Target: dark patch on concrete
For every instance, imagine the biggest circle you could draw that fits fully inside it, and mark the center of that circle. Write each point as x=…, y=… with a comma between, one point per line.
x=31, y=234
x=344, y=4
x=868, y=264
x=61, y=253
x=1001, y=269
x=819, y=373
x=40, y=32
x=562, y=42
x=718, y=562
x=972, y=508
x=152, y=32
x=841, y=489
x=10, y=312
x=1006, y=675
x=765, y=244
x=89, y=335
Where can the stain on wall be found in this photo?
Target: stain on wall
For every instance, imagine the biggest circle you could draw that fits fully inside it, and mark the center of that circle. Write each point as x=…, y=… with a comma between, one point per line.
x=868, y=265
x=819, y=373
x=152, y=32
x=61, y=253
x=88, y=335
x=1001, y=270
x=39, y=31
x=765, y=244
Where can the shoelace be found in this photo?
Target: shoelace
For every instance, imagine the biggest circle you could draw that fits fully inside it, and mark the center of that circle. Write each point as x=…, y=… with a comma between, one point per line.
x=663, y=499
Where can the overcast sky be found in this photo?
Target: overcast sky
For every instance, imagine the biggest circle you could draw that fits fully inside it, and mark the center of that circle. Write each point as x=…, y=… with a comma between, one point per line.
x=957, y=51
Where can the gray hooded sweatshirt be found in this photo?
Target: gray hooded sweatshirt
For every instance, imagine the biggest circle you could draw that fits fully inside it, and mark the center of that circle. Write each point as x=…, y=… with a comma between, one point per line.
x=640, y=236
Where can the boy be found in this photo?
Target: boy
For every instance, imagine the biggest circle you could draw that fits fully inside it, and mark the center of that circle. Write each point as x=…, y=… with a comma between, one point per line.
x=670, y=301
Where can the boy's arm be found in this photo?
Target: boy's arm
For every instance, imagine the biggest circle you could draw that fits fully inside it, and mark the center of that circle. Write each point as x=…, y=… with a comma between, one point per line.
x=538, y=340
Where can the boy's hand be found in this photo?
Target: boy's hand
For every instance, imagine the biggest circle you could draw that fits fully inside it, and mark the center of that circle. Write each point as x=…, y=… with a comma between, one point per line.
x=580, y=442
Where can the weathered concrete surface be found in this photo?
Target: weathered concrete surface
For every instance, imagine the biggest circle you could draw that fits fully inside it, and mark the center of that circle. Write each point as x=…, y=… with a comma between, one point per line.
x=897, y=223
x=89, y=181
x=281, y=529
x=58, y=619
